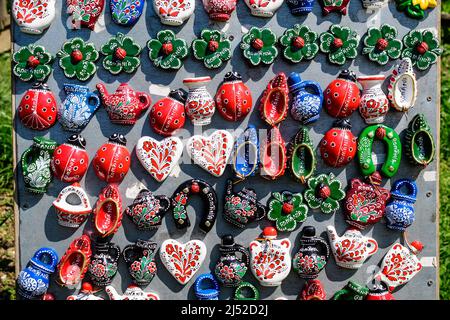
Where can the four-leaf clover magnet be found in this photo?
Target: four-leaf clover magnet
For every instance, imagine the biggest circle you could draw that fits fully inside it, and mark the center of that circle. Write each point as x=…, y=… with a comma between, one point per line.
x=381, y=44
x=422, y=47
x=286, y=209
x=77, y=59
x=32, y=62
x=339, y=43
x=121, y=54
x=324, y=192
x=299, y=43
x=212, y=47
x=258, y=45
x=167, y=51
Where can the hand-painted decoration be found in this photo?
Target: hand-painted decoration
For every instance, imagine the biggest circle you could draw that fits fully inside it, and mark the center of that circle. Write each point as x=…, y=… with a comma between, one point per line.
x=342, y=96
x=312, y=255
x=352, y=248
x=270, y=260
x=374, y=104
x=86, y=293
x=233, y=98
x=133, y=292
x=263, y=8
x=415, y=8
x=419, y=141
x=72, y=206
x=400, y=210
x=351, y=292
x=402, y=88
x=246, y=154
x=338, y=145
x=258, y=45
x=126, y=12
x=313, y=290
x=340, y=42
x=182, y=260
x=174, y=12
x=85, y=13
x=108, y=211
x=301, y=156
x=300, y=7
x=273, y=155
x=242, y=207
x=112, y=160
x=211, y=153
x=180, y=200
x=213, y=48
x=33, y=281
x=77, y=59
x=422, y=47
x=35, y=162
x=167, y=51
x=219, y=10
x=78, y=107
x=70, y=160
x=121, y=54
x=206, y=287
x=324, y=192
x=374, y=4
x=287, y=210
x=339, y=6
x=33, y=16
x=275, y=100
x=245, y=287
x=75, y=262
x=365, y=201
x=167, y=115
x=125, y=106
x=300, y=42
x=379, y=292
x=104, y=261
x=140, y=259
x=200, y=105
x=307, y=99
x=381, y=44
x=392, y=144
x=230, y=269
x=32, y=62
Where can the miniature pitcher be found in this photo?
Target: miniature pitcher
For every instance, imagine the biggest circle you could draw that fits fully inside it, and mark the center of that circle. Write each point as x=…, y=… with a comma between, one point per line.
x=307, y=99
x=298, y=7
x=140, y=258
x=374, y=104
x=400, y=210
x=104, y=262
x=126, y=12
x=200, y=105
x=33, y=16
x=78, y=108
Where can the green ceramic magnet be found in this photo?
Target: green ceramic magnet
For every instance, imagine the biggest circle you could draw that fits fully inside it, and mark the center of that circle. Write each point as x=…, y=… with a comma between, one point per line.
x=77, y=59
x=258, y=45
x=286, y=209
x=213, y=48
x=381, y=44
x=340, y=43
x=302, y=159
x=324, y=192
x=32, y=62
x=246, y=286
x=121, y=54
x=167, y=51
x=419, y=141
x=299, y=43
x=422, y=47
x=415, y=8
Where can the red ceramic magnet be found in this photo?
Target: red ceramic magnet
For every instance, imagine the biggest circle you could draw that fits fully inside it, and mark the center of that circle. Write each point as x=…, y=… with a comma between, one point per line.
x=342, y=96
x=273, y=155
x=38, y=109
x=275, y=100
x=112, y=160
x=338, y=146
x=168, y=115
x=70, y=160
x=108, y=211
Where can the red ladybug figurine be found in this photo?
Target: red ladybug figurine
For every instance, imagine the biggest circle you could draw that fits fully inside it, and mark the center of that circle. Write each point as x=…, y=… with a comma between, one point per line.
x=167, y=115
x=38, y=109
x=342, y=96
x=112, y=160
x=233, y=98
x=338, y=146
x=70, y=160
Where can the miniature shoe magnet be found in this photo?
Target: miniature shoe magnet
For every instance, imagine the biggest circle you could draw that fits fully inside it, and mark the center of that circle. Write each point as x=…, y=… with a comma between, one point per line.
x=72, y=206
x=374, y=104
x=334, y=5
x=246, y=154
x=400, y=213
x=86, y=293
x=33, y=17
x=104, y=263
x=167, y=115
x=32, y=62
x=265, y=9
x=300, y=42
x=174, y=13
x=77, y=58
x=258, y=46
x=286, y=209
x=342, y=96
x=140, y=259
x=338, y=145
x=324, y=192
x=213, y=48
x=340, y=42
x=112, y=160
x=126, y=13
x=206, y=287
x=219, y=10
x=301, y=156
x=70, y=160
x=166, y=51
x=402, y=88
x=121, y=53
x=84, y=13
x=273, y=155
x=422, y=47
x=313, y=290
x=275, y=100
x=239, y=293
x=108, y=211
x=307, y=99
x=200, y=105
x=419, y=141
x=381, y=44
x=133, y=292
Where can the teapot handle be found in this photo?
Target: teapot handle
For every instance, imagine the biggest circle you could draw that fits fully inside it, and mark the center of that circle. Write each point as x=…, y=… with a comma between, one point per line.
x=261, y=211
x=24, y=159
x=373, y=243
x=128, y=257
x=326, y=247
x=409, y=184
x=315, y=86
x=114, y=251
x=92, y=97
x=244, y=252
x=165, y=203
x=144, y=100
x=338, y=294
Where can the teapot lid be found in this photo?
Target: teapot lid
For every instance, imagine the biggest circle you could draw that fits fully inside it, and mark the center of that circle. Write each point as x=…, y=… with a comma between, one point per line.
x=342, y=124
x=228, y=240
x=270, y=232
x=308, y=231
x=87, y=287
x=232, y=76
x=294, y=80
x=347, y=75
x=417, y=247
x=41, y=86
x=178, y=94
x=375, y=178
x=118, y=138
x=77, y=141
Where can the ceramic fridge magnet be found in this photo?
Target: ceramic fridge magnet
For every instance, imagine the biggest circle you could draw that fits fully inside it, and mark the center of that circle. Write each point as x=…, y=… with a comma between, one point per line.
x=159, y=158
x=402, y=87
x=126, y=12
x=313, y=290
x=167, y=51
x=233, y=98
x=307, y=99
x=246, y=154
x=258, y=46
x=243, y=290
x=213, y=48
x=415, y=8
x=419, y=141
x=174, y=12
x=400, y=213
x=48, y=296
x=70, y=160
x=275, y=100
x=270, y=260
x=180, y=200
x=219, y=10
x=104, y=263
x=33, y=16
x=381, y=44
x=301, y=156
x=107, y=213
x=338, y=145
x=230, y=269
x=422, y=47
x=263, y=8
x=35, y=162
x=324, y=192
x=342, y=96
x=140, y=259
x=133, y=292
x=379, y=292
x=392, y=144
x=74, y=264
x=374, y=4
x=182, y=260
x=121, y=54
x=351, y=291
x=287, y=210
x=112, y=160
x=77, y=59
x=32, y=62
x=84, y=13
x=86, y=293
x=273, y=155
x=72, y=206
x=206, y=287
x=78, y=107
x=211, y=153
x=300, y=7
x=312, y=255
x=339, y=43
x=200, y=105
x=242, y=207
x=168, y=115
x=374, y=104
x=300, y=42
x=339, y=6
x=33, y=281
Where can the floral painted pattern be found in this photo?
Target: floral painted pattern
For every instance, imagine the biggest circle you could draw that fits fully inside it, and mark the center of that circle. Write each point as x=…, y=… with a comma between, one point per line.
x=381, y=44
x=339, y=43
x=126, y=12
x=77, y=59
x=324, y=192
x=258, y=46
x=121, y=54
x=212, y=47
x=166, y=51
x=299, y=43
x=32, y=62
x=422, y=47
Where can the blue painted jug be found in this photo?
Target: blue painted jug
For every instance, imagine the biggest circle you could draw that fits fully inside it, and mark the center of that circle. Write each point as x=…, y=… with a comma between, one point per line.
x=78, y=108
x=399, y=212
x=126, y=12
x=33, y=281
x=246, y=153
x=307, y=99
x=298, y=7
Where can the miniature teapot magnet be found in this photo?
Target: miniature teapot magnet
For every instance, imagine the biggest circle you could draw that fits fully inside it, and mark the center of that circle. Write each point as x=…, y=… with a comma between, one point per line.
x=313, y=290
x=84, y=13
x=167, y=115
x=140, y=259
x=70, y=160
x=307, y=99
x=273, y=155
x=374, y=104
x=400, y=210
x=107, y=213
x=175, y=12
x=33, y=16
x=104, y=262
x=246, y=153
x=263, y=8
x=86, y=293
x=338, y=146
x=133, y=292
x=352, y=291
x=299, y=7
x=219, y=10
x=200, y=105
x=402, y=88
x=72, y=206
x=342, y=96
x=206, y=287
x=33, y=281
x=124, y=106
x=126, y=13
x=352, y=248
x=270, y=260
x=275, y=100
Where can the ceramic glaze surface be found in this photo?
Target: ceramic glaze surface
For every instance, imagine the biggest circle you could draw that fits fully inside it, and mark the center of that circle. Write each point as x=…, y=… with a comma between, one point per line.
x=33, y=16
x=126, y=12
x=174, y=12
x=263, y=8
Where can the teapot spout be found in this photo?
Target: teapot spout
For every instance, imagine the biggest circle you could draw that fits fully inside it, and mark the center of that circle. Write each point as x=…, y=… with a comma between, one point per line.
x=112, y=293
x=102, y=90
x=332, y=234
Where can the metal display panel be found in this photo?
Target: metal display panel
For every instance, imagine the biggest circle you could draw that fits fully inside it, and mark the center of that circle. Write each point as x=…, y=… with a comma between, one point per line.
x=37, y=224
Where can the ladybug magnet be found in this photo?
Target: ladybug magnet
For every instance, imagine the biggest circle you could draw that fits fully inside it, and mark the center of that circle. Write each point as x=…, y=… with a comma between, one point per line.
x=167, y=114
x=338, y=146
x=112, y=160
x=342, y=96
x=70, y=160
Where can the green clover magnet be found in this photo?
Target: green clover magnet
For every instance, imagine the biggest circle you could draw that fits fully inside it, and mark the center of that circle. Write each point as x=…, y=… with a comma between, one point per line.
x=299, y=43
x=324, y=192
x=77, y=59
x=258, y=46
x=381, y=44
x=213, y=48
x=339, y=43
x=121, y=54
x=287, y=209
x=167, y=51
x=32, y=63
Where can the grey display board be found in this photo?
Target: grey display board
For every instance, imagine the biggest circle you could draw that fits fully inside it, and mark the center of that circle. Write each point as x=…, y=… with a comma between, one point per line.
x=37, y=225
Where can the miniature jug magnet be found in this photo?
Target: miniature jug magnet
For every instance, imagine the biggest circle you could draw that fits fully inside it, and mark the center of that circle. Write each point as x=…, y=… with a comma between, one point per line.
x=174, y=12
x=140, y=259
x=70, y=160
x=112, y=160
x=400, y=210
x=246, y=153
x=419, y=141
x=352, y=291
x=275, y=100
x=72, y=206
x=33, y=16
x=273, y=155
x=338, y=146
x=206, y=287
x=299, y=7
x=200, y=105
x=313, y=290
x=307, y=99
x=167, y=115
x=86, y=293
x=107, y=213
x=104, y=261
x=374, y=104
x=342, y=96
x=133, y=292
x=263, y=8
x=402, y=88
x=84, y=13
x=126, y=12
x=219, y=10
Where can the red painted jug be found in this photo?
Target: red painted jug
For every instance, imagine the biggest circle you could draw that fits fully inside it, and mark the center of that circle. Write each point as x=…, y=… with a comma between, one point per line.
x=38, y=109
x=342, y=96
x=112, y=160
x=167, y=115
x=70, y=160
x=338, y=146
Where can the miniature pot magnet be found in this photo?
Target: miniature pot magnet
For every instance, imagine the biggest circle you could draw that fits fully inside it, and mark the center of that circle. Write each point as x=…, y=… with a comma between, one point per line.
x=258, y=46
x=287, y=210
x=299, y=7
x=374, y=104
x=419, y=141
x=112, y=160
x=352, y=291
x=167, y=115
x=77, y=59
x=213, y=48
x=206, y=287
x=402, y=88
x=275, y=100
x=32, y=16
x=299, y=42
x=219, y=10
x=307, y=99
x=104, y=261
x=334, y=5
x=86, y=293
x=246, y=154
x=422, y=47
x=263, y=8
x=415, y=8
x=273, y=155
x=174, y=12
x=381, y=44
x=121, y=54
x=84, y=13
x=167, y=51
x=340, y=42
x=400, y=213
x=301, y=156
x=72, y=206
x=246, y=286
x=140, y=259
x=338, y=145
x=342, y=95
x=70, y=160
x=324, y=192
x=133, y=292
x=313, y=290
x=32, y=62
x=126, y=12
x=200, y=105
x=108, y=211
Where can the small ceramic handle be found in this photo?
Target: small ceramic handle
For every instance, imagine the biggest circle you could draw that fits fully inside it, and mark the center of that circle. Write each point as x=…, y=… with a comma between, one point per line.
x=165, y=203
x=92, y=97
x=313, y=85
x=114, y=250
x=128, y=256
x=24, y=159
x=238, y=293
x=52, y=262
x=144, y=100
x=374, y=243
x=245, y=254
x=411, y=185
x=340, y=293
x=261, y=211
x=325, y=246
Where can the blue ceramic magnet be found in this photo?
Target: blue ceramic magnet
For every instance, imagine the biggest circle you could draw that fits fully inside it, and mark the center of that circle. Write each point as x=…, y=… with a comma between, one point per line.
x=206, y=287
x=299, y=7
x=307, y=99
x=246, y=153
x=126, y=12
x=400, y=210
